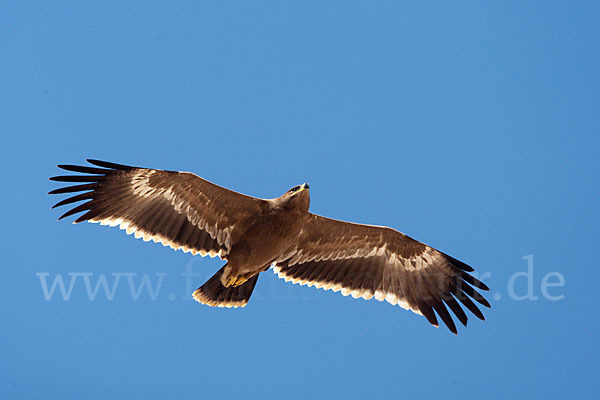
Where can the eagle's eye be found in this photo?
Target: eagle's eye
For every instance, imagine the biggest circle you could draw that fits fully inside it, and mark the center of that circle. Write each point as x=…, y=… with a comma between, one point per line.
x=294, y=189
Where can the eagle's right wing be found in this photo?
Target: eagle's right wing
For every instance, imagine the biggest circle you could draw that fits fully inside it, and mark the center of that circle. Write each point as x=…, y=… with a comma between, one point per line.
x=177, y=209
x=374, y=261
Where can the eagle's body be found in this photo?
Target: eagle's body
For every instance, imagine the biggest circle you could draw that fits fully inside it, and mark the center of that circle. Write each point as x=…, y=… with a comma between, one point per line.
x=266, y=234
x=184, y=211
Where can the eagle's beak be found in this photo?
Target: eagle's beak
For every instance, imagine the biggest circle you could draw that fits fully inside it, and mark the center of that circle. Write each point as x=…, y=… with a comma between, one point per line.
x=305, y=185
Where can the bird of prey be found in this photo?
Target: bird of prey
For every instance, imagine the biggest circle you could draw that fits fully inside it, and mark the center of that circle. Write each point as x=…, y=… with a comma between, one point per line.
x=184, y=211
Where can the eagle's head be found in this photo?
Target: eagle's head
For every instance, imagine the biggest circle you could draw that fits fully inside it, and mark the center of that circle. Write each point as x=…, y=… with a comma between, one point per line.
x=296, y=198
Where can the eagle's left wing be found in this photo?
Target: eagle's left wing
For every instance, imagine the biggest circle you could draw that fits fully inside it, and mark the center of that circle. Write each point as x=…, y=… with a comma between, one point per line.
x=177, y=209
x=371, y=261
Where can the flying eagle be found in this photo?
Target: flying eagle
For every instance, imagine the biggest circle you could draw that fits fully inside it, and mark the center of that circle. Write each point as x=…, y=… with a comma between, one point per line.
x=184, y=211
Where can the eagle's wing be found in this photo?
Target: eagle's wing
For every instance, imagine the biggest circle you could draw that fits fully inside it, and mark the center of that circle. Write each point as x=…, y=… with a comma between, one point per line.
x=371, y=261
x=177, y=209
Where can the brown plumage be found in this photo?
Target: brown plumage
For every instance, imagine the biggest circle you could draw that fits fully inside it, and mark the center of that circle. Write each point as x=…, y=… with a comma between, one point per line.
x=184, y=211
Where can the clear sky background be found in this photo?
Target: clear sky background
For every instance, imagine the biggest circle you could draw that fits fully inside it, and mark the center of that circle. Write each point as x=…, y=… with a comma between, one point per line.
x=472, y=126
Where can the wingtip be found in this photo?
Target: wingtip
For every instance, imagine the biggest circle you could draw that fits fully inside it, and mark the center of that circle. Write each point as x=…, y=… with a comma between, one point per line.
x=63, y=216
x=109, y=165
x=453, y=329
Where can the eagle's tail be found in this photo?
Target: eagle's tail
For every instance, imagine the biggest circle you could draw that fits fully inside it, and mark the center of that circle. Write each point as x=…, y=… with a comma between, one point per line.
x=214, y=294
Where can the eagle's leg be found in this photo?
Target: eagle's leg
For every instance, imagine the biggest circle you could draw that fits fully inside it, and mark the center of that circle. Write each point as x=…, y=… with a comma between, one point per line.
x=241, y=279
x=230, y=278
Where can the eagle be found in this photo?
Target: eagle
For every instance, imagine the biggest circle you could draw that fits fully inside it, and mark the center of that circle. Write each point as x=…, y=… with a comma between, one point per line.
x=185, y=212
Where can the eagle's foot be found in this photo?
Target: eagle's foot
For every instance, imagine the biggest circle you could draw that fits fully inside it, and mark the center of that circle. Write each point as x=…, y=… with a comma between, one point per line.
x=240, y=280
x=228, y=279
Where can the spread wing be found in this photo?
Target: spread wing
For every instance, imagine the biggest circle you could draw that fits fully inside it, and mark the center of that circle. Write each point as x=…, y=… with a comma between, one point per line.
x=371, y=261
x=177, y=209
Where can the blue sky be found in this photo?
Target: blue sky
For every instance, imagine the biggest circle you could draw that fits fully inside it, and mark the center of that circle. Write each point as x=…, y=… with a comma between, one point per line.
x=472, y=126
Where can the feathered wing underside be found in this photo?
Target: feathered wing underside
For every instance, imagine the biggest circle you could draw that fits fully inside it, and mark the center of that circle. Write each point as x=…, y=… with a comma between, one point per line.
x=177, y=209
x=369, y=261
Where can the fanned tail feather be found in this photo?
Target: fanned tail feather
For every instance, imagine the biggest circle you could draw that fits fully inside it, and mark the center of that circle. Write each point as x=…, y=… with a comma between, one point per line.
x=214, y=294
